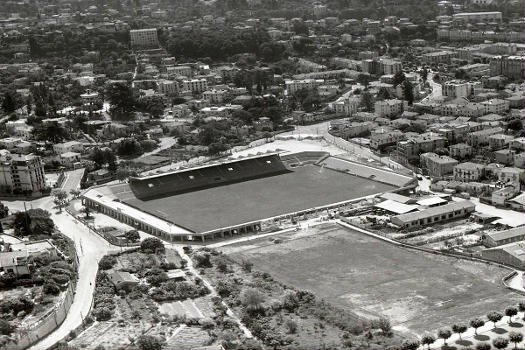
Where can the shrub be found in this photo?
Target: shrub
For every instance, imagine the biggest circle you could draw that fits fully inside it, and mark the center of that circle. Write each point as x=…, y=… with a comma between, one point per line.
x=291, y=326
x=202, y=259
x=152, y=245
x=246, y=265
x=51, y=288
x=6, y=328
x=60, y=279
x=500, y=343
x=102, y=313
x=148, y=342
x=483, y=346
x=207, y=323
x=222, y=264
x=156, y=277
x=107, y=262
x=290, y=301
x=384, y=325
x=410, y=344
x=252, y=299
x=132, y=235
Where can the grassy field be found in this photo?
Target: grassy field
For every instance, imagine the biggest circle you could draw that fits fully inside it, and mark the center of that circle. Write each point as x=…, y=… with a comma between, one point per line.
x=417, y=291
x=306, y=187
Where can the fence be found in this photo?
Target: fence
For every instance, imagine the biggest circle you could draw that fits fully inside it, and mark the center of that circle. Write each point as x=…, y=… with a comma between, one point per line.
x=30, y=335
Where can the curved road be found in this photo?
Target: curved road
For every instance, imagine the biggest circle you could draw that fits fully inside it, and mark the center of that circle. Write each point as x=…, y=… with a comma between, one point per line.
x=90, y=249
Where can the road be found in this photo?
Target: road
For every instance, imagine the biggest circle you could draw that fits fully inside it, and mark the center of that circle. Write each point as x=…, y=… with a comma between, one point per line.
x=90, y=248
x=437, y=90
x=165, y=143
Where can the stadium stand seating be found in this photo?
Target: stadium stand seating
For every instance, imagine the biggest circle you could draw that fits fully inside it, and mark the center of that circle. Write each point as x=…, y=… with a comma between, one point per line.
x=207, y=176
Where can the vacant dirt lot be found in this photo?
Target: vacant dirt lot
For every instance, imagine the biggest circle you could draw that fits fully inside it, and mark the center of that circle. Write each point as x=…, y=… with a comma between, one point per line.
x=417, y=291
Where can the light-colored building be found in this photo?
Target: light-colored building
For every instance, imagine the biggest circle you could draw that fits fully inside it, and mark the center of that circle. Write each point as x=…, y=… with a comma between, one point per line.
x=292, y=86
x=21, y=173
x=512, y=254
x=494, y=239
x=460, y=151
x=477, y=17
x=195, y=85
x=511, y=176
x=70, y=146
x=390, y=66
x=437, y=166
x=434, y=215
x=215, y=96
x=389, y=108
x=457, y=88
x=144, y=38
x=381, y=138
x=167, y=87
x=468, y=171
x=414, y=146
x=481, y=137
x=512, y=67
x=499, y=141
x=346, y=106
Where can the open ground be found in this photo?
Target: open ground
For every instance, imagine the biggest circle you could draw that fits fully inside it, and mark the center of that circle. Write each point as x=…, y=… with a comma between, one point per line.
x=417, y=291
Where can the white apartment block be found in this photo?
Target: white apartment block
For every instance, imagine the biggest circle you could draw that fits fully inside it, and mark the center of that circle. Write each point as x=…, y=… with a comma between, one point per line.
x=215, y=96
x=389, y=66
x=70, y=146
x=174, y=71
x=388, y=107
x=292, y=86
x=144, y=38
x=457, y=88
x=347, y=106
x=195, y=85
x=438, y=57
x=21, y=173
x=477, y=17
x=168, y=87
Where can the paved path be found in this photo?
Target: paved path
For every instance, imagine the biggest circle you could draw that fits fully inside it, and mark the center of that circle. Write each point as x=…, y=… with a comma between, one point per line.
x=90, y=249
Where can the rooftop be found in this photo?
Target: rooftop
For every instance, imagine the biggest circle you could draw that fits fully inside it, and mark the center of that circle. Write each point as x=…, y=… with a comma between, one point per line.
x=434, y=211
x=511, y=233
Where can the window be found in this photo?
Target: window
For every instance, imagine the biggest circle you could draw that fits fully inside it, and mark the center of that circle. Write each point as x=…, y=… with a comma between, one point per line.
x=191, y=177
x=230, y=169
x=269, y=161
x=150, y=185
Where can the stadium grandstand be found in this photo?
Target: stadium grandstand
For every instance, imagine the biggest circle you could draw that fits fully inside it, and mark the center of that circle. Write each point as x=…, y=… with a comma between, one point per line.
x=238, y=195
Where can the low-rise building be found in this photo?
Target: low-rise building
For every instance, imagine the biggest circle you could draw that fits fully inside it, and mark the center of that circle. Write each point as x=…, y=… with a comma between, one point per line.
x=512, y=254
x=413, y=147
x=468, y=171
x=381, y=138
x=389, y=108
x=499, y=141
x=460, y=151
x=494, y=239
x=481, y=137
x=434, y=215
x=70, y=146
x=504, y=156
x=511, y=176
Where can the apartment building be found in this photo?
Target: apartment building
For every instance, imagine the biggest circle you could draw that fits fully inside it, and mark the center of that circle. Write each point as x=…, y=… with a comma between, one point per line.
x=512, y=67
x=215, y=96
x=389, y=108
x=70, y=146
x=459, y=88
x=460, y=151
x=390, y=66
x=144, y=38
x=511, y=176
x=195, y=85
x=481, y=137
x=438, y=57
x=292, y=86
x=381, y=138
x=167, y=87
x=477, y=17
x=413, y=147
x=176, y=71
x=468, y=171
x=346, y=106
x=499, y=141
x=21, y=173
x=437, y=166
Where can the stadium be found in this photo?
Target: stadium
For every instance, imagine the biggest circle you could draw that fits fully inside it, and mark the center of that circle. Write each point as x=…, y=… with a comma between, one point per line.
x=240, y=195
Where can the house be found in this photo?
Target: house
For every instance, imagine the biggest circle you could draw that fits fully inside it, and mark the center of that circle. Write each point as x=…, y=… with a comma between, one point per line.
x=480, y=138
x=499, y=141
x=69, y=159
x=518, y=144
x=434, y=215
x=504, y=156
x=123, y=279
x=500, y=197
x=17, y=262
x=519, y=160
x=518, y=202
x=468, y=171
x=494, y=239
x=511, y=176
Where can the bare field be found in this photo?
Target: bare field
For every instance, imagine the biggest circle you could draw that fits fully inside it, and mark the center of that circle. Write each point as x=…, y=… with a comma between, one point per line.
x=418, y=291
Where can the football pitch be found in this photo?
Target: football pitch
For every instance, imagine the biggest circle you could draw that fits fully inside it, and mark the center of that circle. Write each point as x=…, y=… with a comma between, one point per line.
x=417, y=291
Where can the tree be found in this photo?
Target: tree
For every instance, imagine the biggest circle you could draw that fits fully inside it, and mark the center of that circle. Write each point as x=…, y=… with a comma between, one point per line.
x=87, y=212
x=8, y=104
x=515, y=124
x=6, y=328
x=122, y=174
x=132, y=235
x=33, y=222
x=408, y=92
x=494, y=317
x=500, y=343
x=515, y=338
x=364, y=79
x=107, y=262
x=152, y=245
x=383, y=94
x=444, y=334
x=149, y=342
x=217, y=148
x=60, y=198
x=75, y=192
x=511, y=311
x=4, y=211
x=476, y=323
x=483, y=346
x=459, y=329
x=367, y=101
x=410, y=344
x=50, y=132
x=521, y=307
x=252, y=299
x=398, y=78
x=121, y=100
x=424, y=74
x=428, y=340
x=291, y=326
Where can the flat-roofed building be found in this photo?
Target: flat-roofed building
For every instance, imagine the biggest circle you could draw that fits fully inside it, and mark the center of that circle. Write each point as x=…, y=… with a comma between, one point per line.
x=512, y=254
x=144, y=38
x=512, y=67
x=478, y=17
x=437, y=166
x=468, y=171
x=434, y=215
